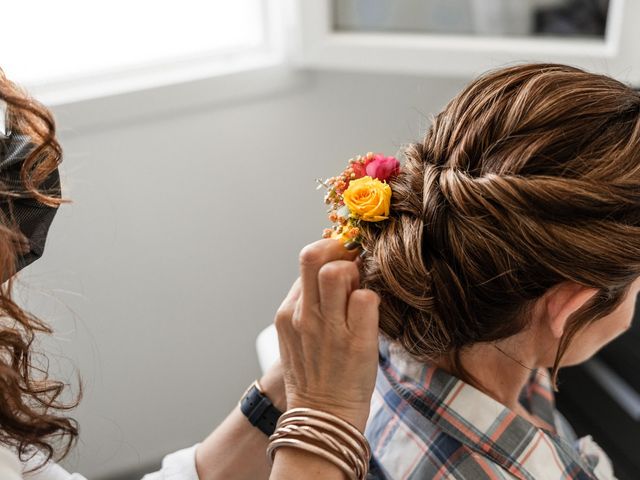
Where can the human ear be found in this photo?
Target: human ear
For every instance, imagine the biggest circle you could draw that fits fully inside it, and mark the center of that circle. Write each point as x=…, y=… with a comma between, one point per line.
x=561, y=301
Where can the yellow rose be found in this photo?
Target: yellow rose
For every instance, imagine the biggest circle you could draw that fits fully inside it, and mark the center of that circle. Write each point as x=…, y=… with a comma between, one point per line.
x=368, y=199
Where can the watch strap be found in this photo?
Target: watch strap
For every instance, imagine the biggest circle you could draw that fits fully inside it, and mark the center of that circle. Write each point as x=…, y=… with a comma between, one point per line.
x=259, y=410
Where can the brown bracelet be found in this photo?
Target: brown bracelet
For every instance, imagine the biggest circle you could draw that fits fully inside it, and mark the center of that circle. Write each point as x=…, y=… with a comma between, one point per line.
x=325, y=435
x=328, y=431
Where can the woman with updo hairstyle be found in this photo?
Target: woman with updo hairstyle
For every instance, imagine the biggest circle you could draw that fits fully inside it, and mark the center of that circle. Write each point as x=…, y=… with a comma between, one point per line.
x=512, y=249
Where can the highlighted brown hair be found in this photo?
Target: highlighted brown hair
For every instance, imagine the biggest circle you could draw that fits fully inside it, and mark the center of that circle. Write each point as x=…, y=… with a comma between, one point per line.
x=31, y=412
x=527, y=178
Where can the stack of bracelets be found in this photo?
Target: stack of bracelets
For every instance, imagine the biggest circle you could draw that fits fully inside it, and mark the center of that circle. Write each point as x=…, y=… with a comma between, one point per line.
x=325, y=435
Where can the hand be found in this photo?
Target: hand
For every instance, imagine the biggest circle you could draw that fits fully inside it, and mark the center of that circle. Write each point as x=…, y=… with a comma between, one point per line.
x=328, y=334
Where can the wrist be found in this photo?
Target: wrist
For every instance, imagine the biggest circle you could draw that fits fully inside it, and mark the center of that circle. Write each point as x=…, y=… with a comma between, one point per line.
x=356, y=415
x=273, y=387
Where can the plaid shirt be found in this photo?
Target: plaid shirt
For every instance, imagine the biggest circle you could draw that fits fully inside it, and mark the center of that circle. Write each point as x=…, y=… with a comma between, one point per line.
x=427, y=424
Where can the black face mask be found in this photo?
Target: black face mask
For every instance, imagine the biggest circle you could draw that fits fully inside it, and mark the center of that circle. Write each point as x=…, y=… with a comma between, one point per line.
x=21, y=209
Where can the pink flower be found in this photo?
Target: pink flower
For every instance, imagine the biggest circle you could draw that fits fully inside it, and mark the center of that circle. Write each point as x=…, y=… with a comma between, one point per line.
x=382, y=167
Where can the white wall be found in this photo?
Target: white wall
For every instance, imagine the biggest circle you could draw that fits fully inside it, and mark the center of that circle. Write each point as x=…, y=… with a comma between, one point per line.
x=183, y=238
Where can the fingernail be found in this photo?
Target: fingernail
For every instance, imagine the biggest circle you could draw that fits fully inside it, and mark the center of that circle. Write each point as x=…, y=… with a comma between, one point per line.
x=351, y=245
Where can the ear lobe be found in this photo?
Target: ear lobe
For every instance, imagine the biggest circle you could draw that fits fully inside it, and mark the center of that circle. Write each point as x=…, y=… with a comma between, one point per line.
x=562, y=300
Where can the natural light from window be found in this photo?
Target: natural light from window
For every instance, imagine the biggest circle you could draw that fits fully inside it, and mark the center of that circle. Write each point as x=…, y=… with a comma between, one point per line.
x=50, y=41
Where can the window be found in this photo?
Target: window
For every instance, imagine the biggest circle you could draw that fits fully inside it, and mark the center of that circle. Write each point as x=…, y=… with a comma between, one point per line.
x=467, y=37
x=558, y=18
x=98, y=48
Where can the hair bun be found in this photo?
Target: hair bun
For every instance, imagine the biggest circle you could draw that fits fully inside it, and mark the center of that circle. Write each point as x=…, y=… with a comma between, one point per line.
x=528, y=178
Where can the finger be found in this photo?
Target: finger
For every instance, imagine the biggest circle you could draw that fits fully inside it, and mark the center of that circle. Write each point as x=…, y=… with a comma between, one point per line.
x=363, y=315
x=284, y=314
x=292, y=296
x=312, y=257
x=284, y=317
x=336, y=281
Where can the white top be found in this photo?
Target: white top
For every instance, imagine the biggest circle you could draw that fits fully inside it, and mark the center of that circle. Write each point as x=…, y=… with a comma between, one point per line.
x=10, y=468
x=180, y=465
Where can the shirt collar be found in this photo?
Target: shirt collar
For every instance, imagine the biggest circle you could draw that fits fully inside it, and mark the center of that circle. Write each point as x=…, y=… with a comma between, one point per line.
x=473, y=417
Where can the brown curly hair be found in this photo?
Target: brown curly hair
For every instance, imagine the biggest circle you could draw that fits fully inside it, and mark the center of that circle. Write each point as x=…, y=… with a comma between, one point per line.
x=529, y=177
x=31, y=417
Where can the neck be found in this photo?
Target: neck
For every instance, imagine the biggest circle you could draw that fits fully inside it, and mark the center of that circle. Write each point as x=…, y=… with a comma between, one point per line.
x=501, y=368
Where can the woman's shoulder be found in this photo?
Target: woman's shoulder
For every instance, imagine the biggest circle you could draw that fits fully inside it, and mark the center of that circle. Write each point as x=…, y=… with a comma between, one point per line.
x=424, y=421
x=401, y=451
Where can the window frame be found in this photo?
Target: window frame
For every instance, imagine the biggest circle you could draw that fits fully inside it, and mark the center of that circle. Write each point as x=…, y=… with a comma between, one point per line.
x=463, y=55
x=171, y=71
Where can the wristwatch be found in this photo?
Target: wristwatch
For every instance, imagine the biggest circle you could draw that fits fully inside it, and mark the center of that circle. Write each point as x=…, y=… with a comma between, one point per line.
x=257, y=407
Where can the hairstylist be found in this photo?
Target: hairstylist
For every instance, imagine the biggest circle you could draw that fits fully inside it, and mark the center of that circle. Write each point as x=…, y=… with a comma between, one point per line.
x=327, y=329
x=328, y=333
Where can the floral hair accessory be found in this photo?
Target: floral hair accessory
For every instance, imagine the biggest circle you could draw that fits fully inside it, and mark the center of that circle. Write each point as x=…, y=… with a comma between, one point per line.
x=359, y=194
